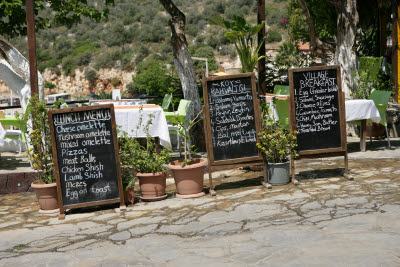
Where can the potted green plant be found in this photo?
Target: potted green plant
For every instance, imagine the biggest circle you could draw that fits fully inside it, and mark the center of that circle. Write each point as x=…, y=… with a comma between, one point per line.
x=127, y=146
x=276, y=145
x=40, y=153
x=143, y=162
x=189, y=172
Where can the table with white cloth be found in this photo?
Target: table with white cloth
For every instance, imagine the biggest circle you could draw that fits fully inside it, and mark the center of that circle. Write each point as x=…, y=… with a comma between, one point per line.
x=356, y=110
x=128, y=118
x=361, y=110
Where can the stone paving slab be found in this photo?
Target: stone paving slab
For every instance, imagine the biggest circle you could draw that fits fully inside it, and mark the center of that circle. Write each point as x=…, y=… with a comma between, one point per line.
x=326, y=220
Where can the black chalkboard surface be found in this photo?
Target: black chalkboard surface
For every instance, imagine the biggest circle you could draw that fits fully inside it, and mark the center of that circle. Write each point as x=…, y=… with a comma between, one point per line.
x=233, y=117
x=316, y=94
x=85, y=154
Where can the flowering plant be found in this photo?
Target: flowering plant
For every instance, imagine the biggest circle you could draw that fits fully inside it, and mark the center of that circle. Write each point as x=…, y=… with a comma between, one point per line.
x=276, y=144
x=39, y=142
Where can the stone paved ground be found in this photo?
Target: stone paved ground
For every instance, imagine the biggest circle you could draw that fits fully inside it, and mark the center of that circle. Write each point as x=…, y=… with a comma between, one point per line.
x=326, y=220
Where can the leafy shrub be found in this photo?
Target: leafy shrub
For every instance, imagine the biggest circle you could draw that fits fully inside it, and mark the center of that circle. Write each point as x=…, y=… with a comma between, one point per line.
x=91, y=75
x=49, y=85
x=274, y=36
x=69, y=64
x=115, y=81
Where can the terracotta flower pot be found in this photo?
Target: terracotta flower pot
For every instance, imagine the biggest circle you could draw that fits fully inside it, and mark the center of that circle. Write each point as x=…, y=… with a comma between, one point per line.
x=47, y=197
x=129, y=195
x=189, y=180
x=377, y=130
x=152, y=185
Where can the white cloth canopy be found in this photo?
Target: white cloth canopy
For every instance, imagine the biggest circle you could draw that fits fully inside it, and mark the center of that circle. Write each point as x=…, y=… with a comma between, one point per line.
x=128, y=119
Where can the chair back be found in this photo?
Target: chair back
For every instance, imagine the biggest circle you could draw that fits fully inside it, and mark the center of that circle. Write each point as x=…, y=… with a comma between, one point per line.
x=380, y=97
x=281, y=90
x=166, y=102
x=183, y=107
x=381, y=100
x=282, y=107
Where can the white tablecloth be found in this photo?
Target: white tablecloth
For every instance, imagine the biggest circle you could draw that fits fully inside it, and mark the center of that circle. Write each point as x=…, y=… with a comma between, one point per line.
x=361, y=109
x=128, y=120
x=357, y=109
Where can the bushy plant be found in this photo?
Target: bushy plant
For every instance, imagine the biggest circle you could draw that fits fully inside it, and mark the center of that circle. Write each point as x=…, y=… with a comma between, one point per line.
x=39, y=142
x=138, y=158
x=244, y=38
x=276, y=144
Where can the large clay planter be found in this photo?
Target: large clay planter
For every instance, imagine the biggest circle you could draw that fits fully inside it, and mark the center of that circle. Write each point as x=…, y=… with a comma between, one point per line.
x=152, y=185
x=47, y=197
x=129, y=195
x=189, y=179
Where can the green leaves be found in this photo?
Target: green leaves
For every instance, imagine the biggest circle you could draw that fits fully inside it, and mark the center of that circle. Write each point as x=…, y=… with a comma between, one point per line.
x=243, y=36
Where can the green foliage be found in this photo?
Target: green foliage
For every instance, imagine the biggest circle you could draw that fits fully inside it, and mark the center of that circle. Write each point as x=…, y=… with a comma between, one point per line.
x=13, y=22
x=115, y=81
x=203, y=51
x=274, y=16
x=40, y=146
x=152, y=78
x=138, y=158
x=49, y=85
x=324, y=15
x=101, y=94
x=69, y=64
x=288, y=56
x=273, y=36
x=276, y=144
x=243, y=36
x=91, y=75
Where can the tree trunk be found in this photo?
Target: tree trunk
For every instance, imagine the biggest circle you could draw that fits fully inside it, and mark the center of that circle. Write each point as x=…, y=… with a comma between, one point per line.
x=318, y=48
x=182, y=58
x=345, y=55
x=14, y=72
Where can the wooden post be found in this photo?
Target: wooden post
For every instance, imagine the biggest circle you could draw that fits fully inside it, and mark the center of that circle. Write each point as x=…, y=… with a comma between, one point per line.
x=30, y=22
x=261, y=52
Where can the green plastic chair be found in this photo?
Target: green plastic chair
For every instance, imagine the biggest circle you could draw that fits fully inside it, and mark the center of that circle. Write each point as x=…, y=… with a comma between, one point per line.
x=181, y=115
x=381, y=100
x=166, y=102
x=282, y=107
x=281, y=90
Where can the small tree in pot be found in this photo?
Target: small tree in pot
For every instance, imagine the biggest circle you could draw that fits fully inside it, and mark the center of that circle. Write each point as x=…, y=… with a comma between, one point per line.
x=40, y=153
x=189, y=172
x=143, y=162
x=276, y=145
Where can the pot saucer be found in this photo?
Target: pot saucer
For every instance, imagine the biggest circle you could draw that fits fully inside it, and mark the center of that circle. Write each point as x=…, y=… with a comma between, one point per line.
x=150, y=198
x=49, y=211
x=191, y=195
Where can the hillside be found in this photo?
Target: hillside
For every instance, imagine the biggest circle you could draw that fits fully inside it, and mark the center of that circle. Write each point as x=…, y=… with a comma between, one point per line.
x=133, y=33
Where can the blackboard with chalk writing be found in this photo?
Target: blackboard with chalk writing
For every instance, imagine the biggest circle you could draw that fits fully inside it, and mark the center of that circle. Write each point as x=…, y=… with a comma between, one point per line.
x=233, y=117
x=86, y=155
x=316, y=103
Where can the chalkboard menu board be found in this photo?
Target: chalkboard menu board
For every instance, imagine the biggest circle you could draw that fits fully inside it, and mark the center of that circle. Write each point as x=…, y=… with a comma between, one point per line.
x=86, y=155
x=233, y=117
x=316, y=107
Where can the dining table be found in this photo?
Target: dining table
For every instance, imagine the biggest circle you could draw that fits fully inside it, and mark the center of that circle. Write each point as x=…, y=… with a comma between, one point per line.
x=133, y=119
x=356, y=110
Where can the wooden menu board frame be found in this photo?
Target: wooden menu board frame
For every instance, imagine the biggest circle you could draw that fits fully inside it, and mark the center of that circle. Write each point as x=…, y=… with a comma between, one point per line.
x=325, y=152
x=235, y=162
x=56, y=165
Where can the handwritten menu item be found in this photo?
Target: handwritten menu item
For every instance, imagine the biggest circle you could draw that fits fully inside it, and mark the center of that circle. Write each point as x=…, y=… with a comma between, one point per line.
x=316, y=94
x=86, y=155
x=231, y=102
